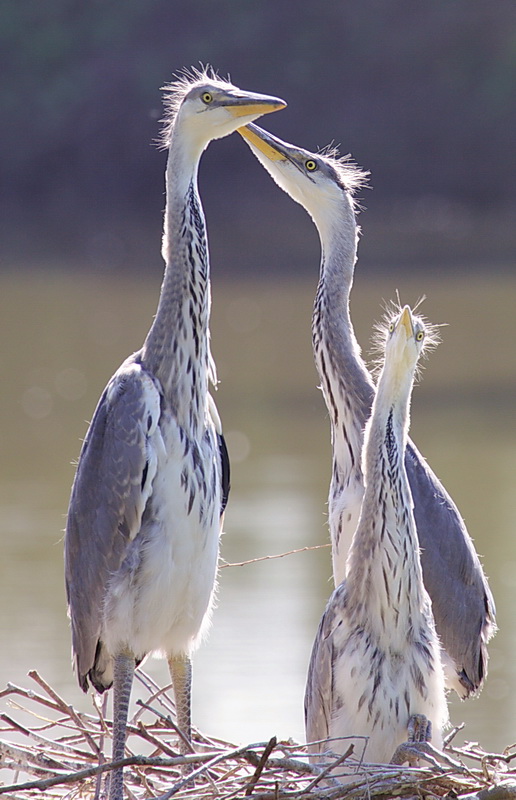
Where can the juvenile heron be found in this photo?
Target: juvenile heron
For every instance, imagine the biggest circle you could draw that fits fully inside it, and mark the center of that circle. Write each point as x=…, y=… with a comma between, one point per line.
x=145, y=514
x=376, y=662
x=462, y=603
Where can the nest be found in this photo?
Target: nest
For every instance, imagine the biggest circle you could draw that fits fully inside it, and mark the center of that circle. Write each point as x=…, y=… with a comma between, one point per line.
x=60, y=754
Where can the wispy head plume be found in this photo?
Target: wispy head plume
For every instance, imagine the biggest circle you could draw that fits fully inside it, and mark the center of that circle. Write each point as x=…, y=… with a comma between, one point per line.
x=391, y=311
x=351, y=177
x=175, y=92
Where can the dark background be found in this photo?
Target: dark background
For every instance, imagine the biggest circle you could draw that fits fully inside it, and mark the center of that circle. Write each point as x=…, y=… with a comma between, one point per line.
x=421, y=93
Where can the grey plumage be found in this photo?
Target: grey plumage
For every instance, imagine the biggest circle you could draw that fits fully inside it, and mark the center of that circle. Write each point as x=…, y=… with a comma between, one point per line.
x=146, y=508
x=462, y=602
x=376, y=661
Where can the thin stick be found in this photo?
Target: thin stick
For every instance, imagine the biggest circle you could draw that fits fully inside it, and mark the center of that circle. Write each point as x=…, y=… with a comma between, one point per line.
x=270, y=558
x=241, y=751
x=326, y=771
x=90, y=772
x=67, y=709
x=259, y=769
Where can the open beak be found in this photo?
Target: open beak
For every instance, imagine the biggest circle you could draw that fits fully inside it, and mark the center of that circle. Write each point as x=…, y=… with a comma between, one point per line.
x=406, y=321
x=265, y=142
x=248, y=104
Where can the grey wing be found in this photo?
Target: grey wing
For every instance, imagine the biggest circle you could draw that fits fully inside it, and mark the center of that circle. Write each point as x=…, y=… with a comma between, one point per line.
x=462, y=602
x=319, y=683
x=108, y=497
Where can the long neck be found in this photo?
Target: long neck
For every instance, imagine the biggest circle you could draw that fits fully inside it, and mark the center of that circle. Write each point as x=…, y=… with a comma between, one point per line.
x=384, y=577
x=177, y=348
x=345, y=381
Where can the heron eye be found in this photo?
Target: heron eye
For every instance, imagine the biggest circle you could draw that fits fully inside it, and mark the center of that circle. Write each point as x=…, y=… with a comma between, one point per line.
x=310, y=165
x=207, y=98
x=420, y=336
x=391, y=327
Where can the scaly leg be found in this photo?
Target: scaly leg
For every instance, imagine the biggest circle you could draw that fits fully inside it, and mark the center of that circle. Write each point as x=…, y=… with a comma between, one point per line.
x=122, y=682
x=181, y=673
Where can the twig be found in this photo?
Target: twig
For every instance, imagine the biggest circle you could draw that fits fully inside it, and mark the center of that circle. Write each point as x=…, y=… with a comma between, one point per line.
x=270, y=558
x=66, y=709
x=241, y=751
x=171, y=724
x=90, y=772
x=326, y=771
x=452, y=734
x=259, y=769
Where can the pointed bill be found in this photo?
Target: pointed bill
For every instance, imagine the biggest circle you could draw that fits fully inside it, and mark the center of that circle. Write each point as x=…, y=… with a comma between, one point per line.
x=272, y=147
x=244, y=104
x=406, y=321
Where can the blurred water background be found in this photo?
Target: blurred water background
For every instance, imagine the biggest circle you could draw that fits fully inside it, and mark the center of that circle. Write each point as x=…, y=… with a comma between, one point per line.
x=420, y=94
x=65, y=335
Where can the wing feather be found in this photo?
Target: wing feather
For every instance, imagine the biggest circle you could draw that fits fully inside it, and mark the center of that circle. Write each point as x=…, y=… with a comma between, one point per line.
x=111, y=487
x=462, y=602
x=319, y=692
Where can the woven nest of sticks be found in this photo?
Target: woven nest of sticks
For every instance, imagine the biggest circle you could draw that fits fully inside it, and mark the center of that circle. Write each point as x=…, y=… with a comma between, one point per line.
x=59, y=754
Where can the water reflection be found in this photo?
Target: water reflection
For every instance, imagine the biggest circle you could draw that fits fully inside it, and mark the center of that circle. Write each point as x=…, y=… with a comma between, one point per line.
x=66, y=336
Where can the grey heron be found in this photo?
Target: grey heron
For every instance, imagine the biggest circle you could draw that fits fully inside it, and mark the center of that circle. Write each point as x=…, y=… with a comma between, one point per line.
x=376, y=662
x=146, y=508
x=462, y=603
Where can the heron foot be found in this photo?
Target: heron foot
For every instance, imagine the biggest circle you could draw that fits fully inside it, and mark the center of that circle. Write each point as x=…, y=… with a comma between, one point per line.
x=417, y=748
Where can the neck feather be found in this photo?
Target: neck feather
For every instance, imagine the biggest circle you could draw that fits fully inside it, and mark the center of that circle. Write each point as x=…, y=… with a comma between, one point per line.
x=345, y=381
x=384, y=574
x=176, y=349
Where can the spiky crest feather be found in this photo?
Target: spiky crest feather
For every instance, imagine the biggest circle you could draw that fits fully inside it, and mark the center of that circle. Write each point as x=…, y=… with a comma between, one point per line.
x=391, y=311
x=175, y=92
x=351, y=176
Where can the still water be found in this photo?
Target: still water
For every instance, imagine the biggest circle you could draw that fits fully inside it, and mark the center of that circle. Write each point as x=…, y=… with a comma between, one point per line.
x=62, y=338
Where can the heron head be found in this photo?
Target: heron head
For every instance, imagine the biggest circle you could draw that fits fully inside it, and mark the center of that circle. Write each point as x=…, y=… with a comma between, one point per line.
x=320, y=182
x=407, y=336
x=208, y=107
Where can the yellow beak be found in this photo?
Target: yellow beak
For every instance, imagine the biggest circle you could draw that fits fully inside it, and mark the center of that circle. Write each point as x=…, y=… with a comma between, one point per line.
x=256, y=108
x=261, y=144
x=406, y=321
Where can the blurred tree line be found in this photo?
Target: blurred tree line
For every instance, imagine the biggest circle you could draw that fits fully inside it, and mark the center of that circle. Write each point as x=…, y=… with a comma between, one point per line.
x=421, y=93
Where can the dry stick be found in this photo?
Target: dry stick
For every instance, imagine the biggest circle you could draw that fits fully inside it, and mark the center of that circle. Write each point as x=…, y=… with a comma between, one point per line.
x=452, y=734
x=164, y=699
x=241, y=751
x=269, y=558
x=67, y=709
x=259, y=769
x=144, y=733
x=152, y=686
x=29, y=695
x=156, y=695
x=90, y=772
x=482, y=757
x=21, y=760
x=16, y=726
x=326, y=771
x=287, y=764
x=102, y=715
x=170, y=723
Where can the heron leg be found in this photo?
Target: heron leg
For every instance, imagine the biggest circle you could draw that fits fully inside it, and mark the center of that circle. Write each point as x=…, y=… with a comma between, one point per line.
x=122, y=683
x=181, y=673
